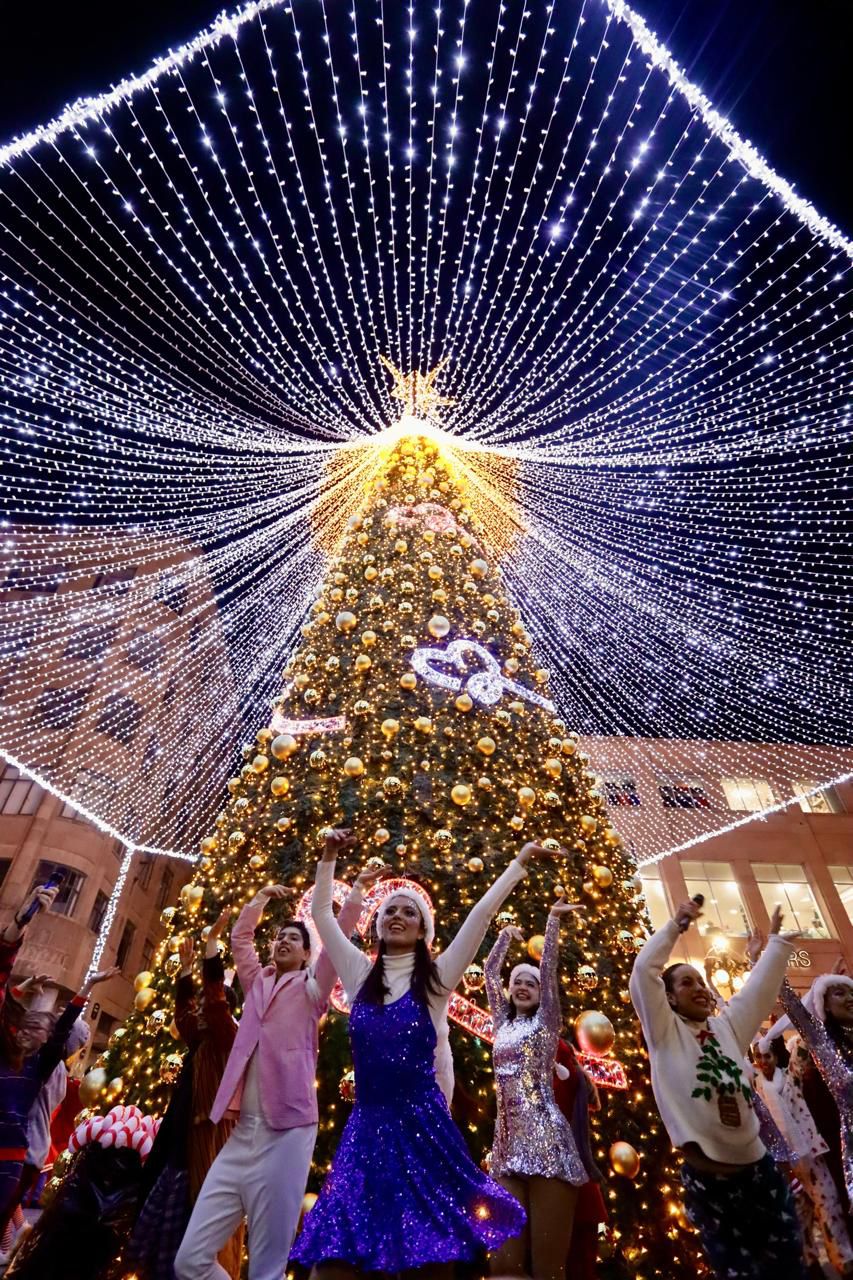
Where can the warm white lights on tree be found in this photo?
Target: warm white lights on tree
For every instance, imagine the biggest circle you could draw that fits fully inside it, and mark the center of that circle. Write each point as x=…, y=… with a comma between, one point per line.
x=640, y=322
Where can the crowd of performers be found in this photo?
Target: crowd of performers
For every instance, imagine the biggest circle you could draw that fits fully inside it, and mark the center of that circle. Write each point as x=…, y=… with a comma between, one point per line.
x=764, y=1129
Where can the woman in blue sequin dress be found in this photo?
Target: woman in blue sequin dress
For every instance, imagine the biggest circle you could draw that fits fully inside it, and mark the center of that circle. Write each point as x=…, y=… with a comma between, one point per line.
x=403, y=1193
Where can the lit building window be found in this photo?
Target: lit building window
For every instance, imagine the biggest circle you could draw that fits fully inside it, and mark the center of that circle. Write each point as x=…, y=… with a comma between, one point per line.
x=788, y=887
x=723, y=910
x=620, y=791
x=655, y=895
x=99, y=910
x=18, y=794
x=843, y=880
x=125, y=944
x=684, y=793
x=814, y=798
x=748, y=795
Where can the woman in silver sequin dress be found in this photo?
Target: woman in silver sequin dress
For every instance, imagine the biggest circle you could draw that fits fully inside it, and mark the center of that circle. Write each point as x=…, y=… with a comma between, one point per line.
x=534, y=1153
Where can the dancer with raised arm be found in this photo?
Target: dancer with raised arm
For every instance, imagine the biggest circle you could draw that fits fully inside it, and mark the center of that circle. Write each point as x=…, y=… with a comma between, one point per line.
x=534, y=1154
x=269, y=1086
x=403, y=1193
x=734, y=1195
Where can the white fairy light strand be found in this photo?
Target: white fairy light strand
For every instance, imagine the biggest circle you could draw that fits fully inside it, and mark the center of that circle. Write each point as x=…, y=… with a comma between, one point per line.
x=199, y=270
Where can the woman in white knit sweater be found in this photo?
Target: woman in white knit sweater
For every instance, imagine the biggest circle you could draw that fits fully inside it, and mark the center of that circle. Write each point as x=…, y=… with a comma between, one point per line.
x=734, y=1194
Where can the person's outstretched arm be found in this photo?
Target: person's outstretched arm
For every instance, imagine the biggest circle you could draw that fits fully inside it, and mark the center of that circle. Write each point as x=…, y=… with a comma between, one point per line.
x=53, y=1051
x=246, y=959
x=452, y=963
x=648, y=994
x=220, y=1025
x=824, y=1054
x=746, y=1010
x=498, y=1002
x=349, y=963
x=549, y=982
x=325, y=972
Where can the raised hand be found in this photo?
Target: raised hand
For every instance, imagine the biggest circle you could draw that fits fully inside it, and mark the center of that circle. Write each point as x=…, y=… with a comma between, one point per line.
x=103, y=976
x=35, y=985
x=562, y=908
x=186, y=950
x=534, y=850
x=368, y=876
x=272, y=892
x=337, y=840
x=776, y=924
x=513, y=932
x=687, y=913
x=214, y=933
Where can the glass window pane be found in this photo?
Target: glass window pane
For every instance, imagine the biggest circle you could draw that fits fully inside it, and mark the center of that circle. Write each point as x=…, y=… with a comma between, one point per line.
x=723, y=909
x=795, y=897
x=843, y=880
x=658, y=907
x=747, y=795
x=821, y=799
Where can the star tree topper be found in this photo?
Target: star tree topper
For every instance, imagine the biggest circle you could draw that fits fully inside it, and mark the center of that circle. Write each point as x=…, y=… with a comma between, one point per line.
x=416, y=389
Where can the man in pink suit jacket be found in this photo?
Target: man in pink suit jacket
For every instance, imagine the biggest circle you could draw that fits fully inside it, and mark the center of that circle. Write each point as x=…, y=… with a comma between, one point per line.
x=269, y=1083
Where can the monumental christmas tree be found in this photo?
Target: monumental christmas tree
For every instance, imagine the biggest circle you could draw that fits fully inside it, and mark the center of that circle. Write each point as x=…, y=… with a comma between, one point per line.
x=415, y=713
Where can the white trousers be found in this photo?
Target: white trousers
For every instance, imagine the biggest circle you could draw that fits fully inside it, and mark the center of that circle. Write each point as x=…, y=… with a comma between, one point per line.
x=259, y=1174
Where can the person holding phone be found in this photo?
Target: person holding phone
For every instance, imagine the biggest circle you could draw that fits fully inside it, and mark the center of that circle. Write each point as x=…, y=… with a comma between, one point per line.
x=734, y=1194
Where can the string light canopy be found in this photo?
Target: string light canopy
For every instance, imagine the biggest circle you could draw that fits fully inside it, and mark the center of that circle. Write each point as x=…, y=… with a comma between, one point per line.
x=631, y=336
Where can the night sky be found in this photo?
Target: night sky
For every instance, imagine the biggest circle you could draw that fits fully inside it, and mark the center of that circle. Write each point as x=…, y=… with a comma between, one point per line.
x=781, y=69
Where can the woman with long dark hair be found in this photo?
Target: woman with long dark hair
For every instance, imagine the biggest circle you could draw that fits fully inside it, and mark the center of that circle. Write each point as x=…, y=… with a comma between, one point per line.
x=403, y=1193
x=534, y=1153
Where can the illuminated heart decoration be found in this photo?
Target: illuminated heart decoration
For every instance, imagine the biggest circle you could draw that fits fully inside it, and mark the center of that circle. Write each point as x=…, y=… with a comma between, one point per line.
x=486, y=686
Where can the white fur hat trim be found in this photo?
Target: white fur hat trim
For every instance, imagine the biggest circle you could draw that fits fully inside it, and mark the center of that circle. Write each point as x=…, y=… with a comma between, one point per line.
x=813, y=1000
x=529, y=969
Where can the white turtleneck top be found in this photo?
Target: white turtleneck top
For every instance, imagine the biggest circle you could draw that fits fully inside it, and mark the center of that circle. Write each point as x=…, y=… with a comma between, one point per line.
x=353, y=965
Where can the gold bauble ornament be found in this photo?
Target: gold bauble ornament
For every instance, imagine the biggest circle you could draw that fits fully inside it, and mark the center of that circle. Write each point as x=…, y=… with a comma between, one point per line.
x=552, y=799
x=257, y=861
x=318, y=759
x=93, y=1085
x=493, y=615
x=380, y=836
x=260, y=763
x=586, y=978
x=205, y=863
x=311, y=696
x=195, y=896
x=144, y=998
x=552, y=845
x=535, y=946
x=633, y=885
x=361, y=707
x=463, y=702
x=443, y=838
x=392, y=786
x=116, y=1038
x=526, y=796
x=167, y=915
x=589, y=824
x=284, y=824
x=504, y=719
x=568, y=747
x=478, y=568
x=511, y=666
x=279, y=786
x=487, y=746
x=408, y=641
x=484, y=782
x=208, y=845
x=602, y=876
x=283, y=746
x=517, y=708
x=624, y=1159
x=516, y=822
x=82, y=1116
x=390, y=728
x=362, y=664
x=595, y=1032
x=170, y=1067
x=143, y=979
x=476, y=865
x=237, y=839
x=474, y=979
x=504, y=918
x=423, y=724
x=62, y=1162
x=172, y=965
x=333, y=663
x=478, y=627
x=461, y=794
x=368, y=639
x=553, y=767
x=541, y=676
x=625, y=940
x=156, y=1021
x=401, y=546
x=346, y=621
x=354, y=767
x=438, y=626
x=370, y=573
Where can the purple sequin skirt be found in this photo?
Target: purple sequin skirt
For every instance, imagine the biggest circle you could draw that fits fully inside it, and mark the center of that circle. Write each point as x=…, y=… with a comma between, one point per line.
x=403, y=1191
